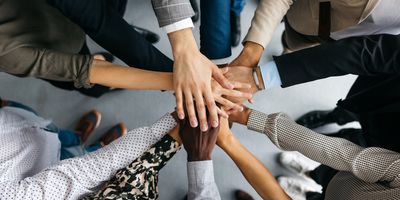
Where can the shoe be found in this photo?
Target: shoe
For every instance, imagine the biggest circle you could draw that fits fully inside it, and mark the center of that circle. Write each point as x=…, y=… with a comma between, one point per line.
x=242, y=195
x=148, y=35
x=235, y=30
x=114, y=133
x=107, y=56
x=296, y=162
x=195, y=7
x=297, y=187
x=315, y=119
x=87, y=124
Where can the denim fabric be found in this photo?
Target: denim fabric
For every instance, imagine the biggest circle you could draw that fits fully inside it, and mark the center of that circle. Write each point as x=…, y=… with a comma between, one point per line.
x=237, y=6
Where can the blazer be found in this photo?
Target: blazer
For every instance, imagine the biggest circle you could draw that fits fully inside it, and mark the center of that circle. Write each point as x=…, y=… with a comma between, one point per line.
x=37, y=40
x=376, y=59
x=303, y=16
x=171, y=11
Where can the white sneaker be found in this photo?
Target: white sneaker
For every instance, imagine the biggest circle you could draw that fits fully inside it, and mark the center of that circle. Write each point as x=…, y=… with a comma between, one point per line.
x=297, y=162
x=296, y=187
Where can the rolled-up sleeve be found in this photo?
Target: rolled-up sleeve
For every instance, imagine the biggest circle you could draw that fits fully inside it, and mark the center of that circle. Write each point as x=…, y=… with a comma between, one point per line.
x=48, y=64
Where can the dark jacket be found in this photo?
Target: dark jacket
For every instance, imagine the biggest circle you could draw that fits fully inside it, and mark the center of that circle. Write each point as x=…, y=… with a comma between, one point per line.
x=376, y=59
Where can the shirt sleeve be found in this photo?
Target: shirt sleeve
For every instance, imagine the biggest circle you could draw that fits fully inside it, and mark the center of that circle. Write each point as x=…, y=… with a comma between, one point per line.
x=77, y=177
x=172, y=11
x=270, y=75
x=370, y=164
x=201, y=181
x=186, y=23
x=48, y=64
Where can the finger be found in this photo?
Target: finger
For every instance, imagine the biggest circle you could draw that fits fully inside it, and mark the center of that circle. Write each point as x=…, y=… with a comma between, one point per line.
x=228, y=105
x=212, y=108
x=222, y=113
x=179, y=104
x=236, y=93
x=221, y=79
x=190, y=108
x=224, y=70
x=201, y=111
x=239, y=85
x=251, y=101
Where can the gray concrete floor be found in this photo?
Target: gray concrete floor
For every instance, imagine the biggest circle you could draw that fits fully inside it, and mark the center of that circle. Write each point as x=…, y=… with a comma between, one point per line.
x=141, y=108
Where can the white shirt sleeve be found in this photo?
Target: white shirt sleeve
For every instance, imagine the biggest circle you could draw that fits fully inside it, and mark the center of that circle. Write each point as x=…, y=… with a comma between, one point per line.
x=185, y=23
x=73, y=178
x=201, y=181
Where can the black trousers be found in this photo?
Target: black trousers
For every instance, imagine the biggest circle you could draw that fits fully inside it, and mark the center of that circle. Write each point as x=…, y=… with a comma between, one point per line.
x=102, y=20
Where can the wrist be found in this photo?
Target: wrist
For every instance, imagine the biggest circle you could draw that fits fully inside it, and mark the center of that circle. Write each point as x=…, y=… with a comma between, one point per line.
x=193, y=157
x=252, y=52
x=182, y=42
x=228, y=143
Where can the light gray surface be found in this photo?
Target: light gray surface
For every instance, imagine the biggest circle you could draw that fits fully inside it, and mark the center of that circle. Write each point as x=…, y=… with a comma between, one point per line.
x=140, y=108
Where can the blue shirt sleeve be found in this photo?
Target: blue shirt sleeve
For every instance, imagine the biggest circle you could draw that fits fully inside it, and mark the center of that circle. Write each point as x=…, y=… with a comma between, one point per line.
x=270, y=75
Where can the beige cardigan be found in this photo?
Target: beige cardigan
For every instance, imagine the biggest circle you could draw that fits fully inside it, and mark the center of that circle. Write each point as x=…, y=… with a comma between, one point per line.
x=303, y=16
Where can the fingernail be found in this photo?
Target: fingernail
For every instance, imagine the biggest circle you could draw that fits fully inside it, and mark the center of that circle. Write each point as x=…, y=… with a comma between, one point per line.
x=204, y=127
x=230, y=86
x=181, y=116
x=193, y=123
x=215, y=123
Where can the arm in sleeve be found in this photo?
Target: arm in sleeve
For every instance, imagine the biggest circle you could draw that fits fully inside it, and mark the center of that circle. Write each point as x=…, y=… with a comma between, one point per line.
x=76, y=177
x=368, y=56
x=48, y=64
x=268, y=15
x=201, y=181
x=369, y=164
x=171, y=11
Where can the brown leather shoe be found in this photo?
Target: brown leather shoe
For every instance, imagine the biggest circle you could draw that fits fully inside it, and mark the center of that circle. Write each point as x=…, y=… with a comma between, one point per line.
x=87, y=124
x=114, y=133
x=242, y=195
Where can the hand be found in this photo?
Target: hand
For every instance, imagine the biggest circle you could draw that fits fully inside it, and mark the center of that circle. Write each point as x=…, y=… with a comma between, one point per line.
x=192, y=80
x=249, y=56
x=242, y=75
x=240, y=117
x=198, y=145
x=221, y=94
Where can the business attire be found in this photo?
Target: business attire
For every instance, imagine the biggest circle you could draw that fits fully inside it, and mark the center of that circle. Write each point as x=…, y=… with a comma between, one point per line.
x=373, y=97
x=103, y=22
x=364, y=173
x=372, y=100
x=305, y=26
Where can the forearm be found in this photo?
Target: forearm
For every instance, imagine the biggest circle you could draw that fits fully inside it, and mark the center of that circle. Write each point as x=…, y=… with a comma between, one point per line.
x=253, y=170
x=374, y=55
x=343, y=155
x=116, y=76
x=75, y=177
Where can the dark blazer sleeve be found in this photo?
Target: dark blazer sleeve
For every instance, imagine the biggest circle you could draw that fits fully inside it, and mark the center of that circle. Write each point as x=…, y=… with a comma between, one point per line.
x=367, y=56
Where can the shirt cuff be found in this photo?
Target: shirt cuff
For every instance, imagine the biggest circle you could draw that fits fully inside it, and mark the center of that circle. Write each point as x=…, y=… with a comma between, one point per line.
x=270, y=74
x=200, y=172
x=185, y=23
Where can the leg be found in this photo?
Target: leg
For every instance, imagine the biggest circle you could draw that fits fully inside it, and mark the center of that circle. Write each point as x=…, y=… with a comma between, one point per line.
x=323, y=175
x=236, y=8
x=215, y=29
x=68, y=138
x=105, y=26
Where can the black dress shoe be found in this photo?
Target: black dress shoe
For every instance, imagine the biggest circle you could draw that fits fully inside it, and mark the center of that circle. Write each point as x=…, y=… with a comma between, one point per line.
x=195, y=7
x=107, y=56
x=315, y=119
x=150, y=36
x=235, y=30
x=242, y=195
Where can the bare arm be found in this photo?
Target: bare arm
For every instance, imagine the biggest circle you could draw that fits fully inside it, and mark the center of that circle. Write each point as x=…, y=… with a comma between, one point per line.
x=253, y=170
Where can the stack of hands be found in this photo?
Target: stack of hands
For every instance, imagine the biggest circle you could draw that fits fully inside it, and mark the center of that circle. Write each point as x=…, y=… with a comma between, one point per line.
x=200, y=85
